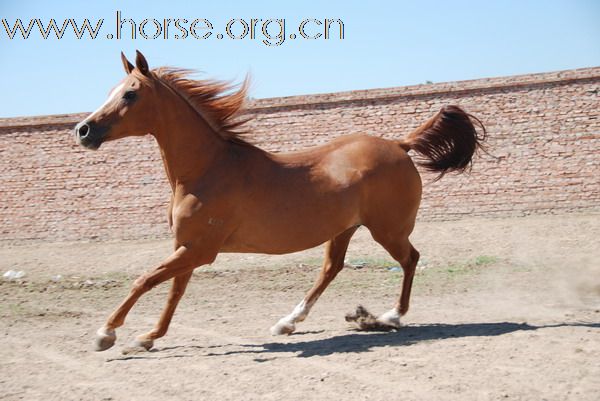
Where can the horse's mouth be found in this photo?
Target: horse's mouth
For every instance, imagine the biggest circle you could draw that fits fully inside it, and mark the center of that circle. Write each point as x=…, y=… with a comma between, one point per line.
x=94, y=135
x=89, y=143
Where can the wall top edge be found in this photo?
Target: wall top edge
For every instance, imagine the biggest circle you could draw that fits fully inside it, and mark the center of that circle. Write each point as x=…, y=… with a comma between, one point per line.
x=255, y=105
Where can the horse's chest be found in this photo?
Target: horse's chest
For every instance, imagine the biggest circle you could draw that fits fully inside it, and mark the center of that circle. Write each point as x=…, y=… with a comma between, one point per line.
x=193, y=218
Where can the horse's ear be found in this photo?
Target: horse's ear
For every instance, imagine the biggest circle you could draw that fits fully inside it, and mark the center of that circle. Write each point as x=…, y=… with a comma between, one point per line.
x=141, y=63
x=126, y=64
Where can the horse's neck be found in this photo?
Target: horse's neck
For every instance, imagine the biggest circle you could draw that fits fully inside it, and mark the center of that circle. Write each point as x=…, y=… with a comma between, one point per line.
x=188, y=146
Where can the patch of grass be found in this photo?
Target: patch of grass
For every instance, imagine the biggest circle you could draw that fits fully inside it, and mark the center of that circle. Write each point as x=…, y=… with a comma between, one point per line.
x=484, y=260
x=372, y=262
x=468, y=265
x=310, y=262
x=16, y=309
x=305, y=263
x=395, y=278
x=455, y=270
x=21, y=309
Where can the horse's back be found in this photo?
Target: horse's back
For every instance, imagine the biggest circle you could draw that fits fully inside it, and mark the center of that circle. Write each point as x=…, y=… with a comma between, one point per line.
x=374, y=176
x=375, y=164
x=352, y=159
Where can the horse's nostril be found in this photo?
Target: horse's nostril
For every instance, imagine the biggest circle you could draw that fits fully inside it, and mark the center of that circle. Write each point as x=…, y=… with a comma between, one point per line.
x=83, y=130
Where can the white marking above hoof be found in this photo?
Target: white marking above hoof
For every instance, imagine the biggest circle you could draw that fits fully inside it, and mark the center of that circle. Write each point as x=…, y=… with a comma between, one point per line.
x=390, y=318
x=287, y=324
x=283, y=326
x=105, y=338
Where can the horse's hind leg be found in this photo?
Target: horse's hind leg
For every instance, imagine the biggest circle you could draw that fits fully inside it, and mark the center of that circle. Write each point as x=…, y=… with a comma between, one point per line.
x=334, y=262
x=402, y=250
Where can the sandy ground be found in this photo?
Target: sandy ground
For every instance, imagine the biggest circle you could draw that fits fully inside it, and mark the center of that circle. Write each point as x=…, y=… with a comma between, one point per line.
x=501, y=309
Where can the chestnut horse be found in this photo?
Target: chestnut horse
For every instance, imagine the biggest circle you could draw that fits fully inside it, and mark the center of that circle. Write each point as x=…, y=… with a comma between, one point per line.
x=230, y=196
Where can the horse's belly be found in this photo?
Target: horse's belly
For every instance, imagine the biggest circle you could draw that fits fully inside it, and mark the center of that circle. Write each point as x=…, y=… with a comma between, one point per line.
x=279, y=247
x=292, y=230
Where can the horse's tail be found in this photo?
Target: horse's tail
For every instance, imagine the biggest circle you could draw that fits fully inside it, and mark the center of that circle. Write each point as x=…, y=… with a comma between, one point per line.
x=447, y=141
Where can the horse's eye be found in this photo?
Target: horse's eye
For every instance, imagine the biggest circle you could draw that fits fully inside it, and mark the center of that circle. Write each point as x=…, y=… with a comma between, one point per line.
x=129, y=96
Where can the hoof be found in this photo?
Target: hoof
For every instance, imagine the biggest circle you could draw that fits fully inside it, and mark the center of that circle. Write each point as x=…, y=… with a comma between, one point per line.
x=105, y=338
x=145, y=343
x=390, y=318
x=283, y=327
x=137, y=346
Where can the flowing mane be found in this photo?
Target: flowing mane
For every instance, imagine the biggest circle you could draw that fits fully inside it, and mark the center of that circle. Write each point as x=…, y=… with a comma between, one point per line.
x=220, y=103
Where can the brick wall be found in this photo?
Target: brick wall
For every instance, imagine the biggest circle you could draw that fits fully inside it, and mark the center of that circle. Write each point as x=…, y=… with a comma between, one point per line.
x=544, y=129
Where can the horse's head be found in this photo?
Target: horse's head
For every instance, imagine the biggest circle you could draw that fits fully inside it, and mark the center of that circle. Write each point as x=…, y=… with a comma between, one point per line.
x=128, y=110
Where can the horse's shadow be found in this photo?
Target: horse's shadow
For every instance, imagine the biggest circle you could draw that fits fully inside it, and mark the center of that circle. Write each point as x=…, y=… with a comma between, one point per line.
x=356, y=342
x=365, y=341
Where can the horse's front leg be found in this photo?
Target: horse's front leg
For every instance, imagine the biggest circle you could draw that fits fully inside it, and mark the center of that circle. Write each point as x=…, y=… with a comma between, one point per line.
x=182, y=262
x=146, y=341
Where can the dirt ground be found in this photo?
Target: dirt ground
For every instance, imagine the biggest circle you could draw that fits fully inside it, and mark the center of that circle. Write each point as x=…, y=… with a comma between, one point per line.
x=501, y=309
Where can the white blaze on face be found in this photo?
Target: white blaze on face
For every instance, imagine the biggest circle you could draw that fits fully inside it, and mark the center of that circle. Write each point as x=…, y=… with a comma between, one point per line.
x=111, y=96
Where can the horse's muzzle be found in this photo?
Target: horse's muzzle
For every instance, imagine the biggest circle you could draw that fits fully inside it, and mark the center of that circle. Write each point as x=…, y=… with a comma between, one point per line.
x=89, y=135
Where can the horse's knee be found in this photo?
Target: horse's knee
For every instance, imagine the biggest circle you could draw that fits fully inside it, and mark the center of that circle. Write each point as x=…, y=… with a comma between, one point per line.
x=141, y=284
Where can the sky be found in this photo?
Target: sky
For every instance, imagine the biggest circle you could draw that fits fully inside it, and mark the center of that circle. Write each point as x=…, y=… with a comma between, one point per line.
x=385, y=44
